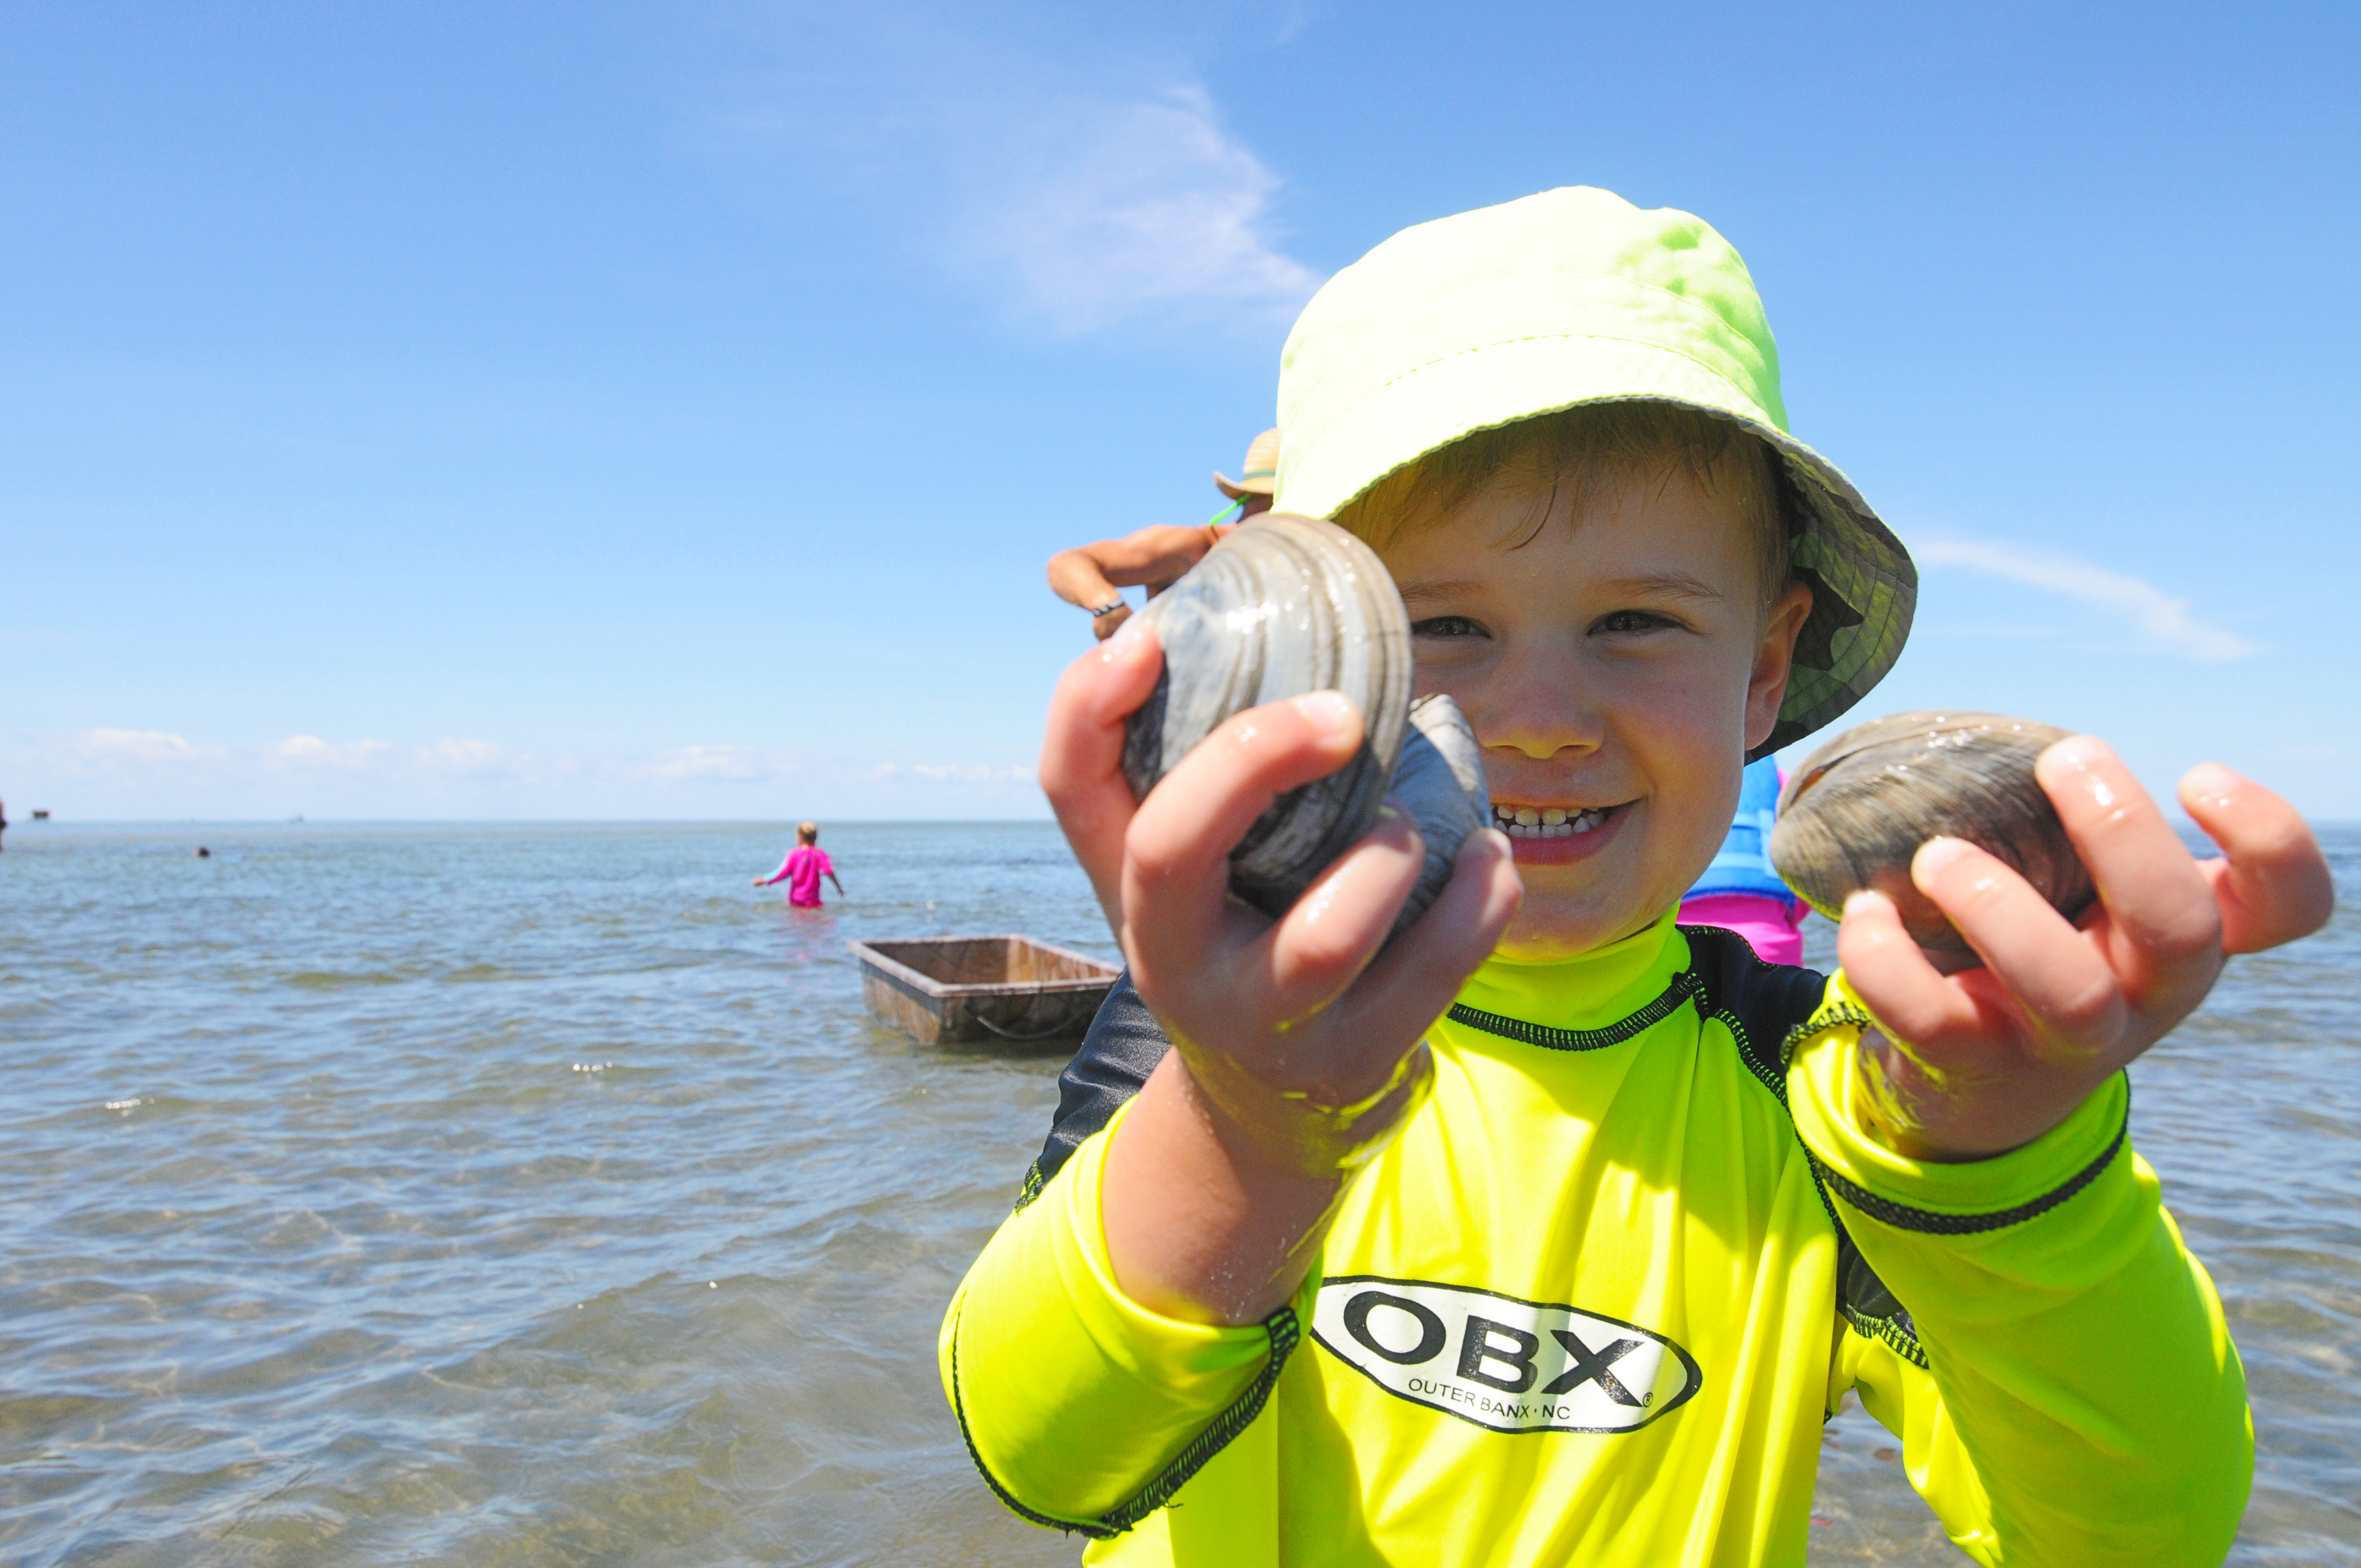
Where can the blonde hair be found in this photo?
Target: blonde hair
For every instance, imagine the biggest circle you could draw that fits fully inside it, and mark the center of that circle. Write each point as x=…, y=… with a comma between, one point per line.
x=1571, y=451
x=807, y=832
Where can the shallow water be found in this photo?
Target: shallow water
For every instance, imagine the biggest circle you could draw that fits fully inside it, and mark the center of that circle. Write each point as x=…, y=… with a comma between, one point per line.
x=542, y=1195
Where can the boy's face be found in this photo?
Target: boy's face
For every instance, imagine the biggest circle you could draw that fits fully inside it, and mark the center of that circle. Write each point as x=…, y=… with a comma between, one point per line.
x=1616, y=669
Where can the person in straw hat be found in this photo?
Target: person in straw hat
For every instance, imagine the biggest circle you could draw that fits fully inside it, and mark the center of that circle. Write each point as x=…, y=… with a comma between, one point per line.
x=1090, y=575
x=1553, y=1234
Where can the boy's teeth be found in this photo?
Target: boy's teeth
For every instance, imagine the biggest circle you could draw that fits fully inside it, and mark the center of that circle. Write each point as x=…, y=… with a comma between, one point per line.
x=1532, y=822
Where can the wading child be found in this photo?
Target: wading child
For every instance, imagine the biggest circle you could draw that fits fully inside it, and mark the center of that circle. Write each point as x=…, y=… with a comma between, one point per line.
x=803, y=868
x=1552, y=1234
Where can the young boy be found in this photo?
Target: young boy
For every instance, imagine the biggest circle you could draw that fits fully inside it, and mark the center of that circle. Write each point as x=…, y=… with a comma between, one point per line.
x=803, y=868
x=1589, y=1221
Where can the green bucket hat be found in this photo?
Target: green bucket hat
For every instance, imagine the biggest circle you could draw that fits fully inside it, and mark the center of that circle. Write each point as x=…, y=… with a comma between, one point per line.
x=1575, y=296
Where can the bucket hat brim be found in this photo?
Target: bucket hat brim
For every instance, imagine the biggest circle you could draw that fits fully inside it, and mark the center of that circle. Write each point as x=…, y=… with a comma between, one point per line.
x=1864, y=586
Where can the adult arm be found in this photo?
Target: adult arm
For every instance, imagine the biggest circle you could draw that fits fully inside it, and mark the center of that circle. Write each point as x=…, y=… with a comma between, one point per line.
x=1090, y=575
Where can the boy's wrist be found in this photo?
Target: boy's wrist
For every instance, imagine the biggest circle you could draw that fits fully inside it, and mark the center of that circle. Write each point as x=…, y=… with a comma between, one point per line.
x=1956, y=1117
x=1299, y=1132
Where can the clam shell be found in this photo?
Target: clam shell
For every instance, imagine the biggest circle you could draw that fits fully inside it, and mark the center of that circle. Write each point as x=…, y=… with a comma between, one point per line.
x=1439, y=781
x=1283, y=605
x=1855, y=813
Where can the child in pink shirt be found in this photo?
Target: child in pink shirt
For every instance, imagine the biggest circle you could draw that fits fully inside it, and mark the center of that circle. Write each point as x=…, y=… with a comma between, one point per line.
x=803, y=868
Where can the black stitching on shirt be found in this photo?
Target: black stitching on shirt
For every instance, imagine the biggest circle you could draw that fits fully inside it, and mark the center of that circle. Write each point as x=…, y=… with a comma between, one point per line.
x=1926, y=1221
x=1685, y=987
x=1285, y=1333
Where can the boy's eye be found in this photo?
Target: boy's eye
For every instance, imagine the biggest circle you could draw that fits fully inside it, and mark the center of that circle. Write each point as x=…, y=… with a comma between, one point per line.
x=1627, y=620
x=1447, y=626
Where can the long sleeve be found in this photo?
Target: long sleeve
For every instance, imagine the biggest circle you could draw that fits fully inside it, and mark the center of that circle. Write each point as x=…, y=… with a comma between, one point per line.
x=2080, y=1401
x=780, y=874
x=1083, y=1409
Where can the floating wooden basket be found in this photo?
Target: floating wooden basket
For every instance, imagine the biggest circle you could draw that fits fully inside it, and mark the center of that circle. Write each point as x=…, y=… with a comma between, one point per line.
x=966, y=990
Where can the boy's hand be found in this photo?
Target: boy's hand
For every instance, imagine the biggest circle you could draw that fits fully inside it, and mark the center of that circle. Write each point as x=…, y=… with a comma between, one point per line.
x=1998, y=1056
x=1286, y=1005
x=1289, y=1044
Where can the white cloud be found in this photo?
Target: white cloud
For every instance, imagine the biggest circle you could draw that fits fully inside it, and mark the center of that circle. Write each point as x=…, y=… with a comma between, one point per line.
x=1079, y=206
x=969, y=773
x=147, y=747
x=2164, y=619
x=739, y=763
x=1098, y=211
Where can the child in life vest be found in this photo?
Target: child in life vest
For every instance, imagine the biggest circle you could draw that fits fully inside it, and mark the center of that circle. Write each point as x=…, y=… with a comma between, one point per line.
x=1740, y=892
x=1552, y=1233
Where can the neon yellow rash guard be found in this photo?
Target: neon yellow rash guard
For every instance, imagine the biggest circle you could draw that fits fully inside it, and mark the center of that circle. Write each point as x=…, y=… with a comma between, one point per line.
x=1595, y=1303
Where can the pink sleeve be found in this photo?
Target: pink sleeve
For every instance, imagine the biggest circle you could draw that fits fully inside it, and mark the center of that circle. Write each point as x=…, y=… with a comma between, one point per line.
x=827, y=866
x=780, y=874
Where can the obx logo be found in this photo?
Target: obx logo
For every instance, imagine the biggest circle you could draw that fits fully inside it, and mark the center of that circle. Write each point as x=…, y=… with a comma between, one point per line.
x=1505, y=1364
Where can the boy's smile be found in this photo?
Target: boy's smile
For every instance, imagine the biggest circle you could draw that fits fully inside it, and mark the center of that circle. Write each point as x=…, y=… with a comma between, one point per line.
x=1616, y=662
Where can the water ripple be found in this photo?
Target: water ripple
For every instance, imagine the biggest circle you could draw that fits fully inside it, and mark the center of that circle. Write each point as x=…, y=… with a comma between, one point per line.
x=541, y=1196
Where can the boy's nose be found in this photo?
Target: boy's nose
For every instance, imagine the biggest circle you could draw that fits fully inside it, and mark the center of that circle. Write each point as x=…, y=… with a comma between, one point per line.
x=1539, y=742
x=1536, y=712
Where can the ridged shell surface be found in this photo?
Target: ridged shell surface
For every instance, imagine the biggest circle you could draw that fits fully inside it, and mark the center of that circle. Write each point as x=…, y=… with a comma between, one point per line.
x=1854, y=814
x=1283, y=605
x=1439, y=781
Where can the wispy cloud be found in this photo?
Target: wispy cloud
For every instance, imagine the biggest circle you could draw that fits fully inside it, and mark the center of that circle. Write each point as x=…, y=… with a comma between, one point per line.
x=1095, y=211
x=134, y=746
x=105, y=772
x=1081, y=207
x=2163, y=619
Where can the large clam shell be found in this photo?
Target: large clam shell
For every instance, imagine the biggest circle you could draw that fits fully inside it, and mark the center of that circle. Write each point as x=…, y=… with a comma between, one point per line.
x=1284, y=606
x=1856, y=812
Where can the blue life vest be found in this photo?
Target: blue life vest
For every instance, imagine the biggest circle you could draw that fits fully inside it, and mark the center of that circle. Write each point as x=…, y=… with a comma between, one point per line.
x=1744, y=864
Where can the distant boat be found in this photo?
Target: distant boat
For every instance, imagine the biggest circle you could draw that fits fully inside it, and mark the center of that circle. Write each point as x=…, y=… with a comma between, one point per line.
x=40, y=817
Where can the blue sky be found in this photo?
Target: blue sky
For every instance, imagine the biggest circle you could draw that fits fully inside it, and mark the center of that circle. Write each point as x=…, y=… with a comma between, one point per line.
x=665, y=410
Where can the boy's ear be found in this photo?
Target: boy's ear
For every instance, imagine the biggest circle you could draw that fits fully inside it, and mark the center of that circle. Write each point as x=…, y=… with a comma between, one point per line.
x=1774, y=656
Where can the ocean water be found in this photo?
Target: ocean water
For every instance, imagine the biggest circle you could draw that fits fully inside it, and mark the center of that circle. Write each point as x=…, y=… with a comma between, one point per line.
x=542, y=1195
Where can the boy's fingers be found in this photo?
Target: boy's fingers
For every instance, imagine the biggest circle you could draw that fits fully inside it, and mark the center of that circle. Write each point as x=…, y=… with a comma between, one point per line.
x=2156, y=902
x=1409, y=987
x=2273, y=885
x=1459, y=931
x=1177, y=848
x=1082, y=748
x=2060, y=981
x=1320, y=945
x=1893, y=978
